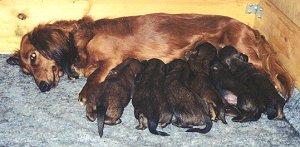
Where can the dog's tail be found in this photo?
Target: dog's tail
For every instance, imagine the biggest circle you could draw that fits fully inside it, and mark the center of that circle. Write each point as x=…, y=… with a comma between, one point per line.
x=208, y=126
x=220, y=109
x=221, y=113
x=101, y=112
x=152, y=125
x=271, y=65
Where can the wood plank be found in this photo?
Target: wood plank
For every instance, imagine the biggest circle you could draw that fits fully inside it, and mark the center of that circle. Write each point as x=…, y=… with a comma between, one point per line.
x=284, y=36
x=43, y=11
x=290, y=8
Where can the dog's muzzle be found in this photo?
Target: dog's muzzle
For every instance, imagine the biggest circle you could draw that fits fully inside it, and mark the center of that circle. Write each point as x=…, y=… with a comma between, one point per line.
x=44, y=86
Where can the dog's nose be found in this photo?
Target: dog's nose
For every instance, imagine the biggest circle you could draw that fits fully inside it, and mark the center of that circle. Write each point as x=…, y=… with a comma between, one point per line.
x=44, y=86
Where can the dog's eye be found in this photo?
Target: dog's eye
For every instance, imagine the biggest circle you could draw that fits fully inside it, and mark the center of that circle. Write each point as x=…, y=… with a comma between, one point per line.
x=32, y=58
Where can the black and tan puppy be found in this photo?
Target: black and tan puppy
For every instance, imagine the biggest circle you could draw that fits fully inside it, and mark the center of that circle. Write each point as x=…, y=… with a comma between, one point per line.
x=113, y=94
x=256, y=80
x=188, y=108
x=150, y=103
x=235, y=94
x=199, y=62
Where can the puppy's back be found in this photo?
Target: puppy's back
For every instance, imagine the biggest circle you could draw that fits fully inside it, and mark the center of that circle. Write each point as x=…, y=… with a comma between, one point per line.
x=149, y=100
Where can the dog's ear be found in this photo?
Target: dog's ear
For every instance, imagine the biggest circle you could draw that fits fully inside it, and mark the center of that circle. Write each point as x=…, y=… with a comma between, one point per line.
x=14, y=59
x=243, y=57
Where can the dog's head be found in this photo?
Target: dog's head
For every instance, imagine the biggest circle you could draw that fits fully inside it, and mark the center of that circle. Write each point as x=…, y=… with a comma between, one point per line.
x=179, y=68
x=200, y=60
x=46, y=53
x=228, y=54
x=156, y=65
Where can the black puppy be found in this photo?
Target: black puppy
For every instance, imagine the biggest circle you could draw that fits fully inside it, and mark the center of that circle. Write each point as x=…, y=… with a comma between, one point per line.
x=188, y=108
x=150, y=103
x=113, y=94
x=235, y=94
x=256, y=80
x=199, y=62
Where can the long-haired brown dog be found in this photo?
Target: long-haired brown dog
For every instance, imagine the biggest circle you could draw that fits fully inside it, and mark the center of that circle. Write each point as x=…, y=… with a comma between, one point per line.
x=199, y=62
x=150, y=103
x=188, y=108
x=256, y=80
x=79, y=47
x=113, y=94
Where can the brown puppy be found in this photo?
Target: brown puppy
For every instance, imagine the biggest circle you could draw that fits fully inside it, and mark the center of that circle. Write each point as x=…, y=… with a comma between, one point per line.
x=256, y=80
x=199, y=63
x=150, y=103
x=188, y=108
x=235, y=94
x=113, y=94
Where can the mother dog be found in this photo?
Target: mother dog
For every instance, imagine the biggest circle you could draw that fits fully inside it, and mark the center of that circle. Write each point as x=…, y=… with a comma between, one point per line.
x=78, y=47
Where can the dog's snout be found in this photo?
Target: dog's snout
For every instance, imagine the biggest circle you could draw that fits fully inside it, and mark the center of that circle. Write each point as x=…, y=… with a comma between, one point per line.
x=44, y=86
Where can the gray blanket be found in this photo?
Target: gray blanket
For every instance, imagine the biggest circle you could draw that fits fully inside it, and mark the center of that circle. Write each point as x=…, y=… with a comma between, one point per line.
x=31, y=118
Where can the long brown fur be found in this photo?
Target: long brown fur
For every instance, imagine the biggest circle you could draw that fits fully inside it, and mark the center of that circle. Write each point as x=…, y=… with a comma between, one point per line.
x=79, y=47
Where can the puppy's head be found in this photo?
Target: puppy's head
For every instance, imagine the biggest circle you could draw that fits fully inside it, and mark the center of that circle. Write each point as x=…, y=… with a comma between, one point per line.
x=201, y=59
x=179, y=68
x=229, y=54
x=156, y=64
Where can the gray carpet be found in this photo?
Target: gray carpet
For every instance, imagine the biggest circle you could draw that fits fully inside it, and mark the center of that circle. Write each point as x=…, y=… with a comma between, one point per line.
x=31, y=118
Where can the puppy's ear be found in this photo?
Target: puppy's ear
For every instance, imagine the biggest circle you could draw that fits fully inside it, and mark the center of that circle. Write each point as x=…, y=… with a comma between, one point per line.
x=14, y=59
x=243, y=57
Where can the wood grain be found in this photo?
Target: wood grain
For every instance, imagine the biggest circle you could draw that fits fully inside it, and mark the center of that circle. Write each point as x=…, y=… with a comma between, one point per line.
x=284, y=36
x=290, y=8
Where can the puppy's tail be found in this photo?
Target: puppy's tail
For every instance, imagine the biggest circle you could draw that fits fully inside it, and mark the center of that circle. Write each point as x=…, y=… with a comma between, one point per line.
x=282, y=80
x=221, y=110
x=152, y=125
x=101, y=112
x=207, y=128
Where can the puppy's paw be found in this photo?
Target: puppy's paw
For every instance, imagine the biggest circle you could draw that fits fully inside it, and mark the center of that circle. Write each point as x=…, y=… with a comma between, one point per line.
x=91, y=112
x=271, y=113
x=110, y=121
x=88, y=94
x=82, y=98
x=238, y=118
x=143, y=122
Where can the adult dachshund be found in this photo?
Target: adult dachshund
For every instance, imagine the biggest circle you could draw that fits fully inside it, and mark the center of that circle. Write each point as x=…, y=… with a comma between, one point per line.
x=78, y=47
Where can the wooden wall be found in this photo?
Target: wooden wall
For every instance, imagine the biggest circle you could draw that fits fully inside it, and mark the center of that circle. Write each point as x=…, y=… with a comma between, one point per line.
x=283, y=34
x=43, y=11
x=291, y=8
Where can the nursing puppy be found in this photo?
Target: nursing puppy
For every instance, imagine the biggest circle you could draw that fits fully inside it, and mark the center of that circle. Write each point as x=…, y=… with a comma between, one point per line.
x=235, y=94
x=254, y=79
x=150, y=104
x=199, y=62
x=188, y=108
x=113, y=94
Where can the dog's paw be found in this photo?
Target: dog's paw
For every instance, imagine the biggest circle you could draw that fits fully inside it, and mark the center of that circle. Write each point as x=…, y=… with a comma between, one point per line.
x=91, y=112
